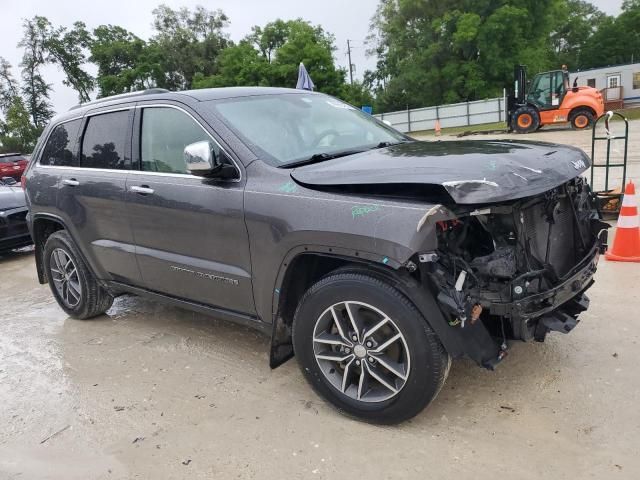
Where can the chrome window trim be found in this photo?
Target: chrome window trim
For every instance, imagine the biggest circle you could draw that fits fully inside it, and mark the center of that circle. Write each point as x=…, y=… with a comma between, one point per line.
x=168, y=105
x=140, y=172
x=100, y=112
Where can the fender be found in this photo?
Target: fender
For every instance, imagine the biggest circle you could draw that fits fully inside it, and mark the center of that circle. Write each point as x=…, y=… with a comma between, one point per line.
x=39, y=249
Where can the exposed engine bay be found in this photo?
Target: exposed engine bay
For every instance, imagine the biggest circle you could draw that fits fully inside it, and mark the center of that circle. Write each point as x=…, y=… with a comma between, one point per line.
x=521, y=268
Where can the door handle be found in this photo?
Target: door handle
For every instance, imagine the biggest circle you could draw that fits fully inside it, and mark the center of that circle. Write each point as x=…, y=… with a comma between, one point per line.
x=70, y=182
x=141, y=190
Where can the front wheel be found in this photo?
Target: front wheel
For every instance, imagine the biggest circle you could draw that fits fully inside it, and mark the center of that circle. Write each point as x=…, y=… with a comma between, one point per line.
x=366, y=349
x=526, y=120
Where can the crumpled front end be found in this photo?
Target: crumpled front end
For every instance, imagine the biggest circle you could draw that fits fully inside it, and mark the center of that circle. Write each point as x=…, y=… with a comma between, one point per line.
x=517, y=270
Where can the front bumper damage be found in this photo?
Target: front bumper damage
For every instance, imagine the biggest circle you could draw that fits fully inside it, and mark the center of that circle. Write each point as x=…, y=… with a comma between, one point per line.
x=521, y=290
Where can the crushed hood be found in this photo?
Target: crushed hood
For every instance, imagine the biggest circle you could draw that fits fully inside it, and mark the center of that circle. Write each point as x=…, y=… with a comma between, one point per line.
x=471, y=171
x=11, y=197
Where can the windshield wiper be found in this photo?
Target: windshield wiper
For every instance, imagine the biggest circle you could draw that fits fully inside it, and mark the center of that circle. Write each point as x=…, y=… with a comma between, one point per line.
x=320, y=157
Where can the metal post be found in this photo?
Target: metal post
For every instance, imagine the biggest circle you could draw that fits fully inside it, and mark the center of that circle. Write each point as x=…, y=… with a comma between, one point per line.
x=408, y=119
x=499, y=109
x=350, y=64
x=468, y=119
x=606, y=172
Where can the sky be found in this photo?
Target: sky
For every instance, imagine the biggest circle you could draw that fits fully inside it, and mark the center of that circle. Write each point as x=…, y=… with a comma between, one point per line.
x=346, y=19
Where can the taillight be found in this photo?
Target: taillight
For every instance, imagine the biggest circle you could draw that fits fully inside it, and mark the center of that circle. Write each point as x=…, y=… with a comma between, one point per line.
x=23, y=182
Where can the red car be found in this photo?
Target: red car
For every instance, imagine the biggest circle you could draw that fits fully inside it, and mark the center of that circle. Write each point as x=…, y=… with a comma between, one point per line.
x=12, y=165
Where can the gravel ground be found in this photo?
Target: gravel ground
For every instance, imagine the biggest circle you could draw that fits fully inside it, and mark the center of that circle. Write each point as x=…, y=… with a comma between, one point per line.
x=150, y=391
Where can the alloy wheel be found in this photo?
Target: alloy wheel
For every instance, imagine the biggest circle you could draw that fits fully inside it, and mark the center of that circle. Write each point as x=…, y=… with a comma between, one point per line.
x=361, y=351
x=64, y=274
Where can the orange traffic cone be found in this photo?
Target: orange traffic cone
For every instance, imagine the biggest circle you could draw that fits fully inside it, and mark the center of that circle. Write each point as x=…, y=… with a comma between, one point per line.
x=438, y=129
x=626, y=244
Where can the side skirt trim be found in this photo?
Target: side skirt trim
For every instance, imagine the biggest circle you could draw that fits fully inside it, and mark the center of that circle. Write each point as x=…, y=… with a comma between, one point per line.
x=250, y=321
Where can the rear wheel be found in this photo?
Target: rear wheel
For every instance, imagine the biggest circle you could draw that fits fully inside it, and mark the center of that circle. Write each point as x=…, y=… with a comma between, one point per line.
x=73, y=285
x=581, y=119
x=366, y=349
x=526, y=120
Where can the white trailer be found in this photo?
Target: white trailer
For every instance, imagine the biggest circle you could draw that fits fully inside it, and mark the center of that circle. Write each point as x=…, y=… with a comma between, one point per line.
x=618, y=83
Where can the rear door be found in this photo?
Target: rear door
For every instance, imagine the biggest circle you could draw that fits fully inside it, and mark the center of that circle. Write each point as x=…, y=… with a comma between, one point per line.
x=191, y=238
x=92, y=194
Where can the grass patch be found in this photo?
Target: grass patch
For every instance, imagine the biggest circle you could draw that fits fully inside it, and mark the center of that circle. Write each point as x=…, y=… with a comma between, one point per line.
x=630, y=113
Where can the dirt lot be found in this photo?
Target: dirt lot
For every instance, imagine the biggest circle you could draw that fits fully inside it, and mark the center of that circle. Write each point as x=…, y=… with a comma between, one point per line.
x=150, y=391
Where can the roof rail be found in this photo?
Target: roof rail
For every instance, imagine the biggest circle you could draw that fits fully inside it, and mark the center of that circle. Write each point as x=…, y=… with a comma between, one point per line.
x=148, y=91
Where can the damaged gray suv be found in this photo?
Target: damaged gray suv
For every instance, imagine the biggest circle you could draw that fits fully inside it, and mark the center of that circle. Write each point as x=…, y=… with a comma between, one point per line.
x=373, y=258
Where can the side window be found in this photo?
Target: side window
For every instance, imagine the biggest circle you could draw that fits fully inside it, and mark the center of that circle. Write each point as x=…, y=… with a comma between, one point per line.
x=103, y=143
x=60, y=148
x=164, y=134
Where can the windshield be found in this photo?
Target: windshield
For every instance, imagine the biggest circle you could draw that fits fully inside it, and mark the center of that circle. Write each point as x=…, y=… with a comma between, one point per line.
x=289, y=128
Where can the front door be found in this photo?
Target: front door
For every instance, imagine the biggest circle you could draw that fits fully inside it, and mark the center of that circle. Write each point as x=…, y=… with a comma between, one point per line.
x=613, y=88
x=190, y=234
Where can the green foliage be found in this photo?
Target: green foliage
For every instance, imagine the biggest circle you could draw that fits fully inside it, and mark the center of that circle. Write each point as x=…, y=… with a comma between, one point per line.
x=238, y=65
x=35, y=90
x=444, y=52
x=189, y=43
x=617, y=40
x=125, y=62
x=17, y=133
x=270, y=56
x=8, y=86
x=66, y=48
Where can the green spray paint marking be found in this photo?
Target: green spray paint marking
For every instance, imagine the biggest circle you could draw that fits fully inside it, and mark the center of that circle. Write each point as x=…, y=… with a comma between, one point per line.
x=288, y=187
x=492, y=164
x=360, y=210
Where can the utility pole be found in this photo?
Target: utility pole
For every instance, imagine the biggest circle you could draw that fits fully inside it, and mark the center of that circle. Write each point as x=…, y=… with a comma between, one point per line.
x=350, y=64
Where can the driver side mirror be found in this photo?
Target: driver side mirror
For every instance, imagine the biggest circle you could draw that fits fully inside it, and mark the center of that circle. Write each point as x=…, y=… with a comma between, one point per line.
x=202, y=160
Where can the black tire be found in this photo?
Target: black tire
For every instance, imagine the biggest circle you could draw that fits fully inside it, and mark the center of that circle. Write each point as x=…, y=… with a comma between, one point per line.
x=94, y=300
x=526, y=120
x=429, y=362
x=581, y=119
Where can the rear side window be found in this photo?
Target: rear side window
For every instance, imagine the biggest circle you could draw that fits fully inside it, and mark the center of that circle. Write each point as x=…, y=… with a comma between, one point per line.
x=60, y=149
x=165, y=133
x=105, y=137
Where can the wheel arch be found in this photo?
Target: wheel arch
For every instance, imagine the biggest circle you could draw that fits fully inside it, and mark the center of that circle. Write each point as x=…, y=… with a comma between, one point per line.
x=578, y=108
x=300, y=269
x=42, y=227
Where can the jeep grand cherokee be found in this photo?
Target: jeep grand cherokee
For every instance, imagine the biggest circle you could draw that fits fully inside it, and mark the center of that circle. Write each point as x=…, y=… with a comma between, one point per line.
x=373, y=258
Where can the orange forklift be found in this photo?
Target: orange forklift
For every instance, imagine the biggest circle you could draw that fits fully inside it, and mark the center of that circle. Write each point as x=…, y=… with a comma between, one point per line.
x=549, y=100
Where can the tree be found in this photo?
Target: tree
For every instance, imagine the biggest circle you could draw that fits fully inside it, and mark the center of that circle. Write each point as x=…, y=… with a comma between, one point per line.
x=125, y=62
x=35, y=89
x=238, y=65
x=66, y=48
x=17, y=134
x=270, y=56
x=189, y=42
x=580, y=21
x=617, y=40
x=442, y=52
x=8, y=86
